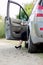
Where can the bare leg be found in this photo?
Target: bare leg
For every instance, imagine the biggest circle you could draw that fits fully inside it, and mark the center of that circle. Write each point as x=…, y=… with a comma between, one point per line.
x=19, y=44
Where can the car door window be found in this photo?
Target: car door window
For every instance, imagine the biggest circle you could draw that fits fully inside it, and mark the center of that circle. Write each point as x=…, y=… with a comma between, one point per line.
x=22, y=15
x=17, y=12
x=41, y=2
x=14, y=10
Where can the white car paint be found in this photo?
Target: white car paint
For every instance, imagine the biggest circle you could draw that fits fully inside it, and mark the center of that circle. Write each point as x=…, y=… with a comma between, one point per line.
x=34, y=24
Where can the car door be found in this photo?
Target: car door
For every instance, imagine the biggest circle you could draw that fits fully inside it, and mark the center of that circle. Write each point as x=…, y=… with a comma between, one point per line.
x=13, y=26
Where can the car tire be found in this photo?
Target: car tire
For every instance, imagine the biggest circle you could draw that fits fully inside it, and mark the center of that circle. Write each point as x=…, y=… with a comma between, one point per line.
x=31, y=47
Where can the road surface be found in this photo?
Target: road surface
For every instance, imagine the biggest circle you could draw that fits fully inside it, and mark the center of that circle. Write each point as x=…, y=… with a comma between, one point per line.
x=11, y=56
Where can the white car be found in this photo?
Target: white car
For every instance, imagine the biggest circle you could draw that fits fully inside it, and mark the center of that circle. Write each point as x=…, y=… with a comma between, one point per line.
x=36, y=26
x=13, y=27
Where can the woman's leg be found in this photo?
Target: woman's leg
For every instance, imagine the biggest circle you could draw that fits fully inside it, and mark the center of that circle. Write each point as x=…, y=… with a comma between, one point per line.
x=19, y=44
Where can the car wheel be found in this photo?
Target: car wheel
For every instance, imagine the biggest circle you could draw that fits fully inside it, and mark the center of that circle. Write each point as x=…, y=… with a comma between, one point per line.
x=31, y=47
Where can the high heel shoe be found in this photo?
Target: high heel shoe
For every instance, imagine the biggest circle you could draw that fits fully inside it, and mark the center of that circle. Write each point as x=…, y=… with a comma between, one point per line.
x=18, y=47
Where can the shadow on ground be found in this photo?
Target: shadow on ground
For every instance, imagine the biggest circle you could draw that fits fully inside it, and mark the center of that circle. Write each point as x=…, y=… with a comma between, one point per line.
x=40, y=48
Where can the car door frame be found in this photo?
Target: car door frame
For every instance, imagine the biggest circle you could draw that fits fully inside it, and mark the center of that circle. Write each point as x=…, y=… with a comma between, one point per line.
x=8, y=17
x=8, y=6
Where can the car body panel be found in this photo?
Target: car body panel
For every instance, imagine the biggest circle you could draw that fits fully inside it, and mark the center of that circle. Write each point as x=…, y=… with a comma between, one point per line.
x=36, y=25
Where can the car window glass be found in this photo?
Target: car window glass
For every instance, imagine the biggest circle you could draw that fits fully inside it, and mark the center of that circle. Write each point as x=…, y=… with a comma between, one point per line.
x=14, y=10
x=41, y=2
x=23, y=16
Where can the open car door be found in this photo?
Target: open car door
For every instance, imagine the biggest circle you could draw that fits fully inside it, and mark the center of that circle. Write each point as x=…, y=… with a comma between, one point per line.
x=13, y=27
